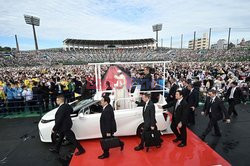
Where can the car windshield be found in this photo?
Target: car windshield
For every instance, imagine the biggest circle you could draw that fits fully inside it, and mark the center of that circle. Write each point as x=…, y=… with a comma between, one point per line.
x=79, y=104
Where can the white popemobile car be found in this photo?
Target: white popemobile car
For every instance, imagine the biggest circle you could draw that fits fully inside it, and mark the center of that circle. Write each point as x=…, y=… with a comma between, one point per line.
x=86, y=120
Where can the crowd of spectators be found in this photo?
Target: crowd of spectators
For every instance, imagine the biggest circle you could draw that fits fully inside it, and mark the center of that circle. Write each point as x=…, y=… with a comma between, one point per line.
x=57, y=56
x=36, y=87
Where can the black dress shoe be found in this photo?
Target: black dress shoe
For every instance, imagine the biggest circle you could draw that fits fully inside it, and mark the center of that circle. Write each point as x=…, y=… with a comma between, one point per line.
x=53, y=150
x=103, y=156
x=181, y=145
x=122, y=146
x=80, y=152
x=137, y=148
x=176, y=140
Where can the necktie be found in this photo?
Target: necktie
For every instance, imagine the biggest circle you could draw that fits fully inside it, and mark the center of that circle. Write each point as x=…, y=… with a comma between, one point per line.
x=210, y=104
x=145, y=107
x=177, y=104
x=190, y=92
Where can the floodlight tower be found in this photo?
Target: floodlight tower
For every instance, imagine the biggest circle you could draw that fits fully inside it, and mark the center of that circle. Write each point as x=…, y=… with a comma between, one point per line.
x=156, y=28
x=34, y=21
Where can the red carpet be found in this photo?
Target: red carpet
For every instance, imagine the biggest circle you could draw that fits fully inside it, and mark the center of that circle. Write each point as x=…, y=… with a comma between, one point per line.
x=196, y=153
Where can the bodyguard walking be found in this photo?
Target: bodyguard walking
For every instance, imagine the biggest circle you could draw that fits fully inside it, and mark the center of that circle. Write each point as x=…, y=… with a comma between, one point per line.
x=63, y=124
x=215, y=109
x=107, y=124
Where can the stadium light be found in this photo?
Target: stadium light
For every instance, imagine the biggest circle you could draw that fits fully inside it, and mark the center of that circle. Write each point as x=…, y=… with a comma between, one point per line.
x=156, y=28
x=34, y=21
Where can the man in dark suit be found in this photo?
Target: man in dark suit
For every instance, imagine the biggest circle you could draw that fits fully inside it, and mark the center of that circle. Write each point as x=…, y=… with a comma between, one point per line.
x=234, y=96
x=173, y=89
x=63, y=124
x=193, y=102
x=107, y=124
x=59, y=87
x=215, y=109
x=78, y=84
x=52, y=92
x=37, y=96
x=148, y=118
x=180, y=117
x=147, y=80
x=185, y=90
x=45, y=95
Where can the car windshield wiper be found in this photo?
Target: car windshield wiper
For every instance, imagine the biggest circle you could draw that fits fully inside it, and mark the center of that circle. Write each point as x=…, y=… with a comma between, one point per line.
x=46, y=121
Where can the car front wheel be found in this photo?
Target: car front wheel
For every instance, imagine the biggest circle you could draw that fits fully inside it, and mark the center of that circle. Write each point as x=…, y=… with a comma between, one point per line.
x=139, y=130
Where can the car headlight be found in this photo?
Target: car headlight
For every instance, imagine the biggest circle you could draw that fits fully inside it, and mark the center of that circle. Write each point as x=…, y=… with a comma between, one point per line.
x=46, y=121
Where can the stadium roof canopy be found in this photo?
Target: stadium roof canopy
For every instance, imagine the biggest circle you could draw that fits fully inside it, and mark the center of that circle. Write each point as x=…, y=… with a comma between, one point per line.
x=108, y=42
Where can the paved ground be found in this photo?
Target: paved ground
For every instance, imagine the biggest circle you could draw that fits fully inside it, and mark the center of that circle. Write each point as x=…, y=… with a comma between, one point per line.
x=20, y=143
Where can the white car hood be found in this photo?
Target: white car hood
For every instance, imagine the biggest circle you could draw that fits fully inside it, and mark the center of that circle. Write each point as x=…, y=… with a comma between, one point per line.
x=50, y=115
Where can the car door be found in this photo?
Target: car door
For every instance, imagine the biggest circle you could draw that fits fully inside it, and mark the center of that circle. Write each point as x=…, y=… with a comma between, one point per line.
x=87, y=125
x=128, y=120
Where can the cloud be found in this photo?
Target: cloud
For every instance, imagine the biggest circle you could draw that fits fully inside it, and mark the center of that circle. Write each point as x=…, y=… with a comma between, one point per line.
x=121, y=19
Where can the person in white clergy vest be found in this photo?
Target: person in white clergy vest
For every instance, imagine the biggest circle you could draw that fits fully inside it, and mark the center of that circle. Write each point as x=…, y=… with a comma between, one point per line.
x=120, y=91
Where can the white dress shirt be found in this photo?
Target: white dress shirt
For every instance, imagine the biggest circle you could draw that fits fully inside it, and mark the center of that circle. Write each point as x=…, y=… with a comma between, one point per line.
x=212, y=100
x=232, y=93
x=178, y=103
x=104, y=107
x=146, y=105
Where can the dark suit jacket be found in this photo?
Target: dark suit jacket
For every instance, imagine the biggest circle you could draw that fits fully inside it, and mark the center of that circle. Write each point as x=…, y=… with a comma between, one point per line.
x=185, y=92
x=63, y=120
x=146, y=83
x=193, y=98
x=52, y=89
x=217, y=109
x=57, y=88
x=78, y=86
x=238, y=96
x=172, y=91
x=37, y=94
x=45, y=92
x=149, y=115
x=180, y=114
x=107, y=120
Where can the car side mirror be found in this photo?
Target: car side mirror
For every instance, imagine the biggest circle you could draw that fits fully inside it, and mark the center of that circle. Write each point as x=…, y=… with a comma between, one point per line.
x=81, y=116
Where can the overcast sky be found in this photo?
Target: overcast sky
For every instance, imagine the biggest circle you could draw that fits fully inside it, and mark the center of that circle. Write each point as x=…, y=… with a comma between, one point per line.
x=121, y=19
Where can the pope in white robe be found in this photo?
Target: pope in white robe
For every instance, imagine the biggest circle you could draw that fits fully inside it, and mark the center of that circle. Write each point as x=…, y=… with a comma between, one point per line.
x=120, y=91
